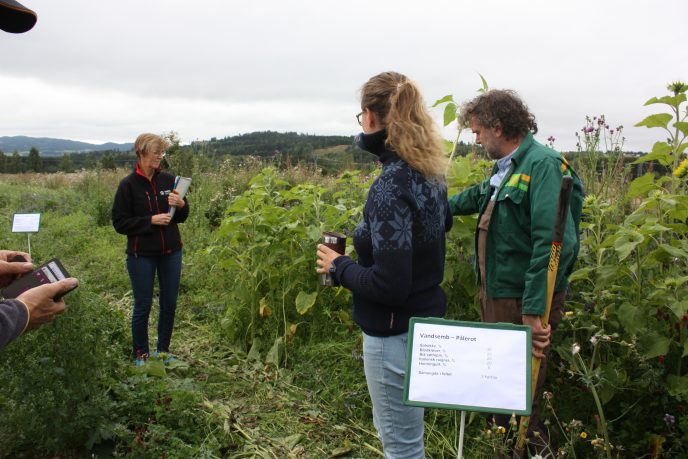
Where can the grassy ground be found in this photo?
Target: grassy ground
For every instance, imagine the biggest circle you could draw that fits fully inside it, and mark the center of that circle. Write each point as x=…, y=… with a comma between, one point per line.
x=216, y=401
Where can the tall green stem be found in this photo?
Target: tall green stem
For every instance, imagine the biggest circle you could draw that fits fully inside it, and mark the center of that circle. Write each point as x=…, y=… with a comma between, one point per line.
x=598, y=404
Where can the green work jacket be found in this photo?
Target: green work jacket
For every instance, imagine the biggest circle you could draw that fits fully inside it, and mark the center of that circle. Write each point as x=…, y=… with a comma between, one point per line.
x=519, y=239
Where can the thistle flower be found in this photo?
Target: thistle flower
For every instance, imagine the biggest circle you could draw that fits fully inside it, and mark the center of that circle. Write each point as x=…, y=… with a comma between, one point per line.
x=575, y=349
x=681, y=169
x=669, y=419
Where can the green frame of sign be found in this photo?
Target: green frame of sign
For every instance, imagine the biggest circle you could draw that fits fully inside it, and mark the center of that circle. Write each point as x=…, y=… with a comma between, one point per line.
x=457, y=323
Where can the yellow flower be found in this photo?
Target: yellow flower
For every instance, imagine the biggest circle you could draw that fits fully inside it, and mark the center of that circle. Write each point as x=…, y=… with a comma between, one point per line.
x=681, y=169
x=584, y=435
x=569, y=313
x=501, y=430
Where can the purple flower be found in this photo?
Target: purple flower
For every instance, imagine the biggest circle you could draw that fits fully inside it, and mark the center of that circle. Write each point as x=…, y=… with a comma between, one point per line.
x=611, y=131
x=669, y=419
x=551, y=139
x=589, y=129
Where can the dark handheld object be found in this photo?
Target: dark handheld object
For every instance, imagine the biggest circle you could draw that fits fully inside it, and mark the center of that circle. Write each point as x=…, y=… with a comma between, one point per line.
x=562, y=209
x=47, y=273
x=15, y=17
x=336, y=242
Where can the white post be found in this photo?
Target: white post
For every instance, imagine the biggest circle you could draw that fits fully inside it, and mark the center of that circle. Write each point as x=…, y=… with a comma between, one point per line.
x=461, y=429
x=28, y=235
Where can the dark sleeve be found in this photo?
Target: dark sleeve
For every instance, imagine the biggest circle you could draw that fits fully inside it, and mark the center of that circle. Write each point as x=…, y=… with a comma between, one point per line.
x=123, y=218
x=388, y=281
x=180, y=215
x=14, y=317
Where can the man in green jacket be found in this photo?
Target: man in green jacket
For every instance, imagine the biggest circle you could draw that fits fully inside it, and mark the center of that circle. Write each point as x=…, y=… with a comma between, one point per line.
x=517, y=206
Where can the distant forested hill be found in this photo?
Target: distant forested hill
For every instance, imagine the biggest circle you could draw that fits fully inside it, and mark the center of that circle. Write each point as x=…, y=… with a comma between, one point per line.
x=55, y=147
x=269, y=143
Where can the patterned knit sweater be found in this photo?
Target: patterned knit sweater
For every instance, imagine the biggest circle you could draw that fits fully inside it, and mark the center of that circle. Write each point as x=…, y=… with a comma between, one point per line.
x=400, y=245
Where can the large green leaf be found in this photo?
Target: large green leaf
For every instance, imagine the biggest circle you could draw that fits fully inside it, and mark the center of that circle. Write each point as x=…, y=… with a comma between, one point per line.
x=449, y=113
x=156, y=368
x=678, y=386
x=448, y=98
x=626, y=243
x=305, y=301
x=641, y=186
x=682, y=125
x=661, y=151
x=673, y=101
x=679, y=308
x=657, y=120
x=613, y=376
x=581, y=274
x=653, y=345
x=275, y=353
x=685, y=348
x=674, y=251
x=631, y=318
x=254, y=353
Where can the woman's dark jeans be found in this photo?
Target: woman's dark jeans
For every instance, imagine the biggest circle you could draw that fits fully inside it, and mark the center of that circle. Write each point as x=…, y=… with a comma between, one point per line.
x=142, y=274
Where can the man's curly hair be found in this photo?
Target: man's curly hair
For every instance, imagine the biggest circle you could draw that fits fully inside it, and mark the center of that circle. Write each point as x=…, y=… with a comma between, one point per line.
x=501, y=108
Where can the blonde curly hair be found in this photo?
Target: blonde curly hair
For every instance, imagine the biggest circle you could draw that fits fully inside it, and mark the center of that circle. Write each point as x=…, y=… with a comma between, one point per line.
x=411, y=131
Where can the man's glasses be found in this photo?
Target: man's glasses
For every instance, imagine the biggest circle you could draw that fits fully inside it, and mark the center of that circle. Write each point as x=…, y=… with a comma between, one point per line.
x=358, y=118
x=160, y=154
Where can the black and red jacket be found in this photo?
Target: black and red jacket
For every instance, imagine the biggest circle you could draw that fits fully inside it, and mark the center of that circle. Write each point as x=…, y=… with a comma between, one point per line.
x=136, y=201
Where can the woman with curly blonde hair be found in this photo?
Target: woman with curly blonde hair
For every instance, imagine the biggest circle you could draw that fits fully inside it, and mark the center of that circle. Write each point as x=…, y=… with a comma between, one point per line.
x=400, y=245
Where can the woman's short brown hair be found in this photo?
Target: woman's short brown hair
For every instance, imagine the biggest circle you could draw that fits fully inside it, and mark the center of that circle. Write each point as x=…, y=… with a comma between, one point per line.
x=149, y=144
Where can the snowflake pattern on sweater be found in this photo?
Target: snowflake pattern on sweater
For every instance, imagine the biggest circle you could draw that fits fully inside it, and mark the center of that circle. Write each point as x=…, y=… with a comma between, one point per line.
x=400, y=200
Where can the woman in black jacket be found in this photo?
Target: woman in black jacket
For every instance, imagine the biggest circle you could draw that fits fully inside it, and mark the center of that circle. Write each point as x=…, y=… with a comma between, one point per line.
x=400, y=245
x=141, y=211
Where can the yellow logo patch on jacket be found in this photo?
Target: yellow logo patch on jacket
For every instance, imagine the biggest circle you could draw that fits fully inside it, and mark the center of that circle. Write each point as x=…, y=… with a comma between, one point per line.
x=521, y=181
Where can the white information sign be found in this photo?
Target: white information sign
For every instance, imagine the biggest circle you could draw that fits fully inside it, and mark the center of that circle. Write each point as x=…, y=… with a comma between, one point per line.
x=26, y=223
x=469, y=366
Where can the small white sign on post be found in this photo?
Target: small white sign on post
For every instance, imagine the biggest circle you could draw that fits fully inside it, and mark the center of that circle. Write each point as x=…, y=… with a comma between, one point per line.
x=26, y=223
x=469, y=366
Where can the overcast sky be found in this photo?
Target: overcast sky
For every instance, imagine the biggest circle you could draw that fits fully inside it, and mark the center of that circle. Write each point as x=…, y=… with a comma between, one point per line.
x=101, y=70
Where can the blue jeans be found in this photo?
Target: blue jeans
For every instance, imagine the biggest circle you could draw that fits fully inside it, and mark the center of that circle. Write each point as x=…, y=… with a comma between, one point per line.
x=142, y=274
x=399, y=427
